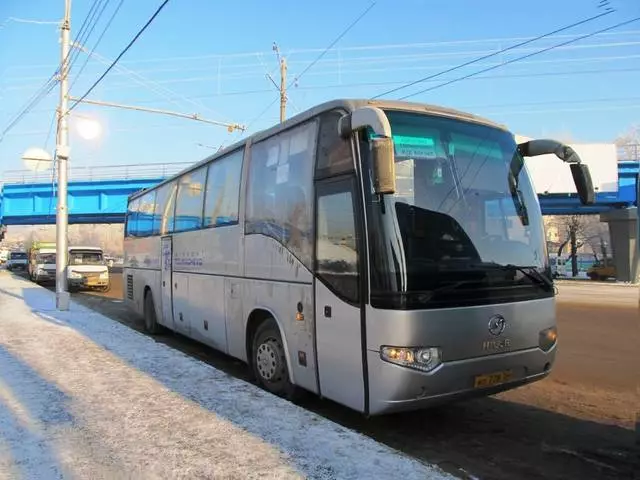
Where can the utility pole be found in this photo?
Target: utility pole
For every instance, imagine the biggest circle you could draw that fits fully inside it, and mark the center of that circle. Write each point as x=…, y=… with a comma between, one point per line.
x=283, y=89
x=62, y=156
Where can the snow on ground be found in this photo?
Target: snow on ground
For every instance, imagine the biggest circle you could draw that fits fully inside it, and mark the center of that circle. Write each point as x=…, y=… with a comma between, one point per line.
x=84, y=396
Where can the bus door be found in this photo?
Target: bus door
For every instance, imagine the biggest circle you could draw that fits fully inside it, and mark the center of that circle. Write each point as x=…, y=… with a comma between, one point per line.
x=166, y=274
x=337, y=294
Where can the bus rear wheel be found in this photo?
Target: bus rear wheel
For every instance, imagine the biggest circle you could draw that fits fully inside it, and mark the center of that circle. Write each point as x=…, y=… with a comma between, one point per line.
x=269, y=361
x=151, y=324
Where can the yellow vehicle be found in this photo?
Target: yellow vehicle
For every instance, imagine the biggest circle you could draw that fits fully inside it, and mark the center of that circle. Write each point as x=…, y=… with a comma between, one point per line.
x=601, y=271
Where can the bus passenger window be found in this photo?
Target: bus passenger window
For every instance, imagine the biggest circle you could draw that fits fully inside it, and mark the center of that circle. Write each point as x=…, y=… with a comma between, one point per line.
x=279, y=198
x=223, y=190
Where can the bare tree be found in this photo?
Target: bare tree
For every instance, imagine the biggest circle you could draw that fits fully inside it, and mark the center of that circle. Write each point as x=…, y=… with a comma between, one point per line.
x=581, y=230
x=629, y=143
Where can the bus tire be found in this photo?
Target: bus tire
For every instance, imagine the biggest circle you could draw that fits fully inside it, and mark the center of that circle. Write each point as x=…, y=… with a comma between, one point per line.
x=151, y=324
x=269, y=362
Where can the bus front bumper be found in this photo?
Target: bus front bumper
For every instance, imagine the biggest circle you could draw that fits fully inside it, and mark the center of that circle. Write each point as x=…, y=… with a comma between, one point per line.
x=395, y=388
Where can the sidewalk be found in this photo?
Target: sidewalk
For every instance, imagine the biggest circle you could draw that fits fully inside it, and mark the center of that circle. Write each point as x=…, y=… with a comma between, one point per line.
x=83, y=396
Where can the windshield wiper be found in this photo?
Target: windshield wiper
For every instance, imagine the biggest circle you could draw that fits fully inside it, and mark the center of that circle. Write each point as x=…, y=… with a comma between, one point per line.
x=529, y=271
x=533, y=274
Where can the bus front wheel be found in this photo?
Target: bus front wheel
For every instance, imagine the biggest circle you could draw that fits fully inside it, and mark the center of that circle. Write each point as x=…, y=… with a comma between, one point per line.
x=269, y=361
x=151, y=324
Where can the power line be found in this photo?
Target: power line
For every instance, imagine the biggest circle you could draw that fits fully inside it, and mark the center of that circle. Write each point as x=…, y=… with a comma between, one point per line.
x=95, y=45
x=337, y=39
x=35, y=99
x=41, y=93
x=513, y=60
x=484, y=57
x=151, y=85
x=53, y=122
x=85, y=23
x=388, y=83
x=157, y=12
x=313, y=50
x=93, y=25
x=26, y=20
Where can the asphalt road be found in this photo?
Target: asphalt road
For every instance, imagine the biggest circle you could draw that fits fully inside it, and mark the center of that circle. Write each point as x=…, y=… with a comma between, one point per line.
x=578, y=423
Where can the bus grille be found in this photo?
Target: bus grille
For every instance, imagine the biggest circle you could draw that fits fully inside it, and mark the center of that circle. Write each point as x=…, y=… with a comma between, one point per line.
x=130, y=287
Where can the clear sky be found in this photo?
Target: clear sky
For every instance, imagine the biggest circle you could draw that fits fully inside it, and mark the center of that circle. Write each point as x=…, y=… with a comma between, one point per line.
x=215, y=54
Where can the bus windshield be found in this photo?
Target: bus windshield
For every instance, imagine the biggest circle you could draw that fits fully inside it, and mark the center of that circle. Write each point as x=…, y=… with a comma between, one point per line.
x=464, y=215
x=85, y=257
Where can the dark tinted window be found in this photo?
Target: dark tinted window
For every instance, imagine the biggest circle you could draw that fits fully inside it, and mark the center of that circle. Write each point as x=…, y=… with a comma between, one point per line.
x=334, y=152
x=223, y=190
x=279, y=196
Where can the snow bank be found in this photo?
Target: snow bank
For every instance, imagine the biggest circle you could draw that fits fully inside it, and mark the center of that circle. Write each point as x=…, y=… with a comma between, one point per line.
x=84, y=396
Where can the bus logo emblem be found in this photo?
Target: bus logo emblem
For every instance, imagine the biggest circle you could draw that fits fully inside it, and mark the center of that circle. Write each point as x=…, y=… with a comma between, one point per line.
x=497, y=324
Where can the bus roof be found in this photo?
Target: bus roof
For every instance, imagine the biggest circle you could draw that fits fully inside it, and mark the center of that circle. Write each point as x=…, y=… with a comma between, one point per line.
x=348, y=105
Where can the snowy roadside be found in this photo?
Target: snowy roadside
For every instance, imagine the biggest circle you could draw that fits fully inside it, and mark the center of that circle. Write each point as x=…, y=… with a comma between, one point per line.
x=83, y=396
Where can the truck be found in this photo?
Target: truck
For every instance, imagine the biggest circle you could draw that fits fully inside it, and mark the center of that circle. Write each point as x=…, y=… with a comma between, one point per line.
x=42, y=262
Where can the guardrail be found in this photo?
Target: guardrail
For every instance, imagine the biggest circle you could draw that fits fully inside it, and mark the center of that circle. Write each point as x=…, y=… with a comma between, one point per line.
x=112, y=172
x=629, y=152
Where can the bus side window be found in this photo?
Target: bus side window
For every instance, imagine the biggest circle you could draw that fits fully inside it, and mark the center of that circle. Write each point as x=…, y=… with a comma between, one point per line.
x=279, y=194
x=223, y=190
x=189, y=200
x=145, y=214
x=131, y=229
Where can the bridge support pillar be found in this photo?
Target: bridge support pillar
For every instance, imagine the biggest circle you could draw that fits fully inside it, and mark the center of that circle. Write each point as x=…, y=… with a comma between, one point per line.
x=623, y=230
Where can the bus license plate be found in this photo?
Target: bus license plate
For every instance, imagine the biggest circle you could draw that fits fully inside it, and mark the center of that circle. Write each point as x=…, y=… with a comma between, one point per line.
x=491, y=379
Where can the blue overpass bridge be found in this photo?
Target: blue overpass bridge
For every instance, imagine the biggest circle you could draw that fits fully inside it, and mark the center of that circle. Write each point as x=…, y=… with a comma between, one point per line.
x=99, y=195
x=95, y=194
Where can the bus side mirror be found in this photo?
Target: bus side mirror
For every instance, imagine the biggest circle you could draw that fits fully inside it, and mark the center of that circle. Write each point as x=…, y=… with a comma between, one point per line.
x=584, y=184
x=380, y=144
x=579, y=171
x=384, y=168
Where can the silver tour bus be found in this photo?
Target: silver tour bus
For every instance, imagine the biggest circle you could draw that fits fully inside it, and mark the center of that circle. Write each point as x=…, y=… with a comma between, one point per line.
x=385, y=255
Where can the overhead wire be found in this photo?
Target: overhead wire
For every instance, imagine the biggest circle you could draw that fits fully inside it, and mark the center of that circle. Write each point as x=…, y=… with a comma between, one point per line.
x=513, y=60
x=43, y=91
x=493, y=54
x=350, y=60
x=30, y=104
x=71, y=55
x=331, y=45
x=378, y=84
x=97, y=43
x=152, y=85
x=133, y=40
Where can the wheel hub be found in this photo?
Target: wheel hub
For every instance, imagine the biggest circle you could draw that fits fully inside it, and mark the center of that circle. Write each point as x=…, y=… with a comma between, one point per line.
x=267, y=361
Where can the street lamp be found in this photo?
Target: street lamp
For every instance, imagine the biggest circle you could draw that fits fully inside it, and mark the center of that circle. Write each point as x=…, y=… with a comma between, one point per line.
x=37, y=159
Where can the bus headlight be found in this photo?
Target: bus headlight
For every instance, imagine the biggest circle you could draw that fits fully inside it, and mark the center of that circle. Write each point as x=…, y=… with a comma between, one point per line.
x=548, y=338
x=104, y=275
x=75, y=275
x=420, y=358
